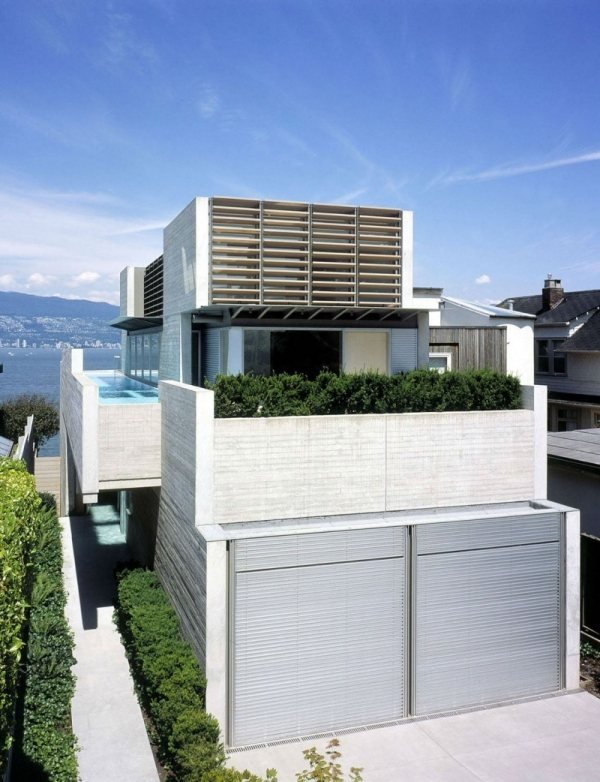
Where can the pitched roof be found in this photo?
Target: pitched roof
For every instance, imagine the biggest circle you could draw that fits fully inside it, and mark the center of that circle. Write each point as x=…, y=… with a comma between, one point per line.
x=581, y=445
x=573, y=304
x=488, y=309
x=587, y=338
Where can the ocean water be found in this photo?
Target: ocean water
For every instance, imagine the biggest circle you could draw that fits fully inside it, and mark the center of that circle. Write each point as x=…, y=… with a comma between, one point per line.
x=37, y=371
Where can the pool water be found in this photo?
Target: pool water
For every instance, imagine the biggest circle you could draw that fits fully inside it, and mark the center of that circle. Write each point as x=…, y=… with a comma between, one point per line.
x=115, y=388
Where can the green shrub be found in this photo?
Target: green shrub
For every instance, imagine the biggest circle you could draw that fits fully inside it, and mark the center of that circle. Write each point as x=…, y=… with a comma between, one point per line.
x=19, y=520
x=247, y=396
x=47, y=750
x=170, y=684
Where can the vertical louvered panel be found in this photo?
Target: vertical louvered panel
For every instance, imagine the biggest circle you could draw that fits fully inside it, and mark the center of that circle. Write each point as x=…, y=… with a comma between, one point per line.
x=211, y=354
x=487, y=612
x=285, y=253
x=403, y=350
x=235, y=251
x=379, y=256
x=318, y=641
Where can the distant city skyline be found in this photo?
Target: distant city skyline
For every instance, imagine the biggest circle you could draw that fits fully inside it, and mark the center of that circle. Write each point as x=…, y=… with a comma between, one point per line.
x=482, y=117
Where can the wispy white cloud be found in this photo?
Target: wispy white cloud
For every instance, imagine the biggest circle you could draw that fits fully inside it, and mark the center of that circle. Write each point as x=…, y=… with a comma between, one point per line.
x=83, y=242
x=483, y=279
x=7, y=281
x=38, y=280
x=372, y=173
x=84, y=129
x=123, y=43
x=85, y=278
x=350, y=197
x=514, y=169
x=209, y=102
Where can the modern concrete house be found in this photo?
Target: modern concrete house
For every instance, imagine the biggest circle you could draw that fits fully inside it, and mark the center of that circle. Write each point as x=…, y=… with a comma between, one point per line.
x=340, y=571
x=567, y=352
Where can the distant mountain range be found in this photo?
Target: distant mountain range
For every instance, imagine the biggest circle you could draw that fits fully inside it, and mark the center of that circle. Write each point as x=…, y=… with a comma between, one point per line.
x=45, y=321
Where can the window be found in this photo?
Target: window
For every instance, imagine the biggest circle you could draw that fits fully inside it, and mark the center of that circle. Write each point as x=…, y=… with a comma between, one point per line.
x=567, y=419
x=271, y=352
x=549, y=358
x=143, y=353
x=441, y=362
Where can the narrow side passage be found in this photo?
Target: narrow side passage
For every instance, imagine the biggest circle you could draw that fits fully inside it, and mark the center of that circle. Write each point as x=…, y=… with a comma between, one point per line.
x=107, y=720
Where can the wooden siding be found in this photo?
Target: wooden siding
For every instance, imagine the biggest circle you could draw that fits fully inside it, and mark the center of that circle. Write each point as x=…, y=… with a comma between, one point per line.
x=284, y=253
x=471, y=348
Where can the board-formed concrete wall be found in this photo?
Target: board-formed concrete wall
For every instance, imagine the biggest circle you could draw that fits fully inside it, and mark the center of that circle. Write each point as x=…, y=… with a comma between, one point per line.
x=310, y=466
x=79, y=421
x=180, y=556
x=267, y=468
x=129, y=443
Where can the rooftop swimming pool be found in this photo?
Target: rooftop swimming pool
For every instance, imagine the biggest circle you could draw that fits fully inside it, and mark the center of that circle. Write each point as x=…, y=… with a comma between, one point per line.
x=117, y=389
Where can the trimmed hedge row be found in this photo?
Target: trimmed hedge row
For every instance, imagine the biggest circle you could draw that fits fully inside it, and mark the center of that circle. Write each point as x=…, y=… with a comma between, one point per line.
x=249, y=396
x=47, y=750
x=170, y=684
x=19, y=513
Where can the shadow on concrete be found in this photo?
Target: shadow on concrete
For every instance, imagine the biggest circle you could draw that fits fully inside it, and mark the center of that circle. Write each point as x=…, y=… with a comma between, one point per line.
x=98, y=545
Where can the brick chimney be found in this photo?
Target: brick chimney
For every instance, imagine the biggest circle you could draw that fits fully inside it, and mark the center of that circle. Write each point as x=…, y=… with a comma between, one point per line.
x=552, y=293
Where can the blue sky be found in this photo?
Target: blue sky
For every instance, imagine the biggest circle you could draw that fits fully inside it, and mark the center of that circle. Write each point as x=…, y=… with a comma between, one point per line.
x=483, y=117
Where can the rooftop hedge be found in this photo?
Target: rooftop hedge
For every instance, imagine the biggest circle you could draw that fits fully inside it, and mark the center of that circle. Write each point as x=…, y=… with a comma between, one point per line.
x=421, y=391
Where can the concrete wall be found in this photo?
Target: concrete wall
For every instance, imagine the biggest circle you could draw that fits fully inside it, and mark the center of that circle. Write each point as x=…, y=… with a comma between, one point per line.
x=103, y=446
x=181, y=551
x=79, y=424
x=128, y=444
x=309, y=466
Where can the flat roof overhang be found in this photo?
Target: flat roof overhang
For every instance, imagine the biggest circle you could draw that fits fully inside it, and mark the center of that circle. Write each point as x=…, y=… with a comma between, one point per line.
x=264, y=314
x=132, y=323
x=310, y=524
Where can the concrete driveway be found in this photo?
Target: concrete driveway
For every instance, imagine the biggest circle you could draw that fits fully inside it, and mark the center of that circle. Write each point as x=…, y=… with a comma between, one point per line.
x=554, y=739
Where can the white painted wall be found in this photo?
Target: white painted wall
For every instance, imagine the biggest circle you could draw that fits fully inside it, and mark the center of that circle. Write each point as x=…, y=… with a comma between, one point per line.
x=519, y=352
x=132, y=291
x=365, y=351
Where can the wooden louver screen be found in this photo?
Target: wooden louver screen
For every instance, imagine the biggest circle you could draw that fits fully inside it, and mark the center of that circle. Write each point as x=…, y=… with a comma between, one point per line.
x=283, y=253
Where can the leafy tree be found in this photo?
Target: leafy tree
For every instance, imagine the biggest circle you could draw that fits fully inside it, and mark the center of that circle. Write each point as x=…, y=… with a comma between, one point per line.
x=15, y=411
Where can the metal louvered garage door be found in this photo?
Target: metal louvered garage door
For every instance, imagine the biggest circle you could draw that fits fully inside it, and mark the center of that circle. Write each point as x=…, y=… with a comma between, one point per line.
x=487, y=618
x=318, y=633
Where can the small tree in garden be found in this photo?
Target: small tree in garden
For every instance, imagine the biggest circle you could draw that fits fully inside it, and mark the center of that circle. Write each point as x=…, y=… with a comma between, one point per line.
x=325, y=768
x=15, y=411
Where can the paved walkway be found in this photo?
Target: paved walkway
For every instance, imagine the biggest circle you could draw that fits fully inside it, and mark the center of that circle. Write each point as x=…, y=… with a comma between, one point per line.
x=106, y=716
x=551, y=740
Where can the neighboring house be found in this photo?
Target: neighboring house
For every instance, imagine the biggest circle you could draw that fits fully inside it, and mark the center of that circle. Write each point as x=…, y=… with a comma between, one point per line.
x=567, y=352
x=574, y=477
x=335, y=571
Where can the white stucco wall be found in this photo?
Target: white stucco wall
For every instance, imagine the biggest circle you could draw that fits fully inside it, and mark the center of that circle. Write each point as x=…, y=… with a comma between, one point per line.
x=132, y=291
